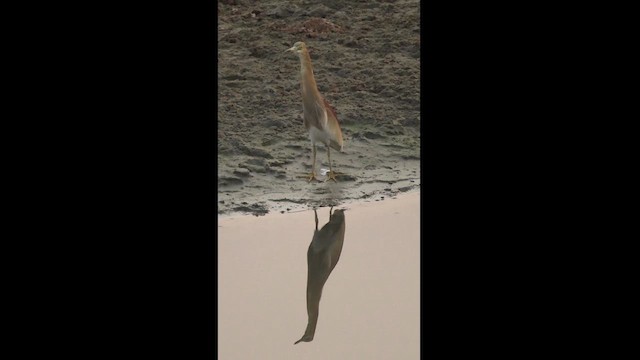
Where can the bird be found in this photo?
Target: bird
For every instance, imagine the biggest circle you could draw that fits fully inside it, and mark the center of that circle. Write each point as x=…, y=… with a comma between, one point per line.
x=322, y=256
x=320, y=117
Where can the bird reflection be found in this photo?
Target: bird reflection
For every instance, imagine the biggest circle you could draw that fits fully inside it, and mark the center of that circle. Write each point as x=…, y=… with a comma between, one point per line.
x=322, y=256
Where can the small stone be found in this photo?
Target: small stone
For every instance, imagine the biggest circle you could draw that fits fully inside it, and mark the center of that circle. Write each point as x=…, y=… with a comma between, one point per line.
x=229, y=181
x=242, y=172
x=319, y=11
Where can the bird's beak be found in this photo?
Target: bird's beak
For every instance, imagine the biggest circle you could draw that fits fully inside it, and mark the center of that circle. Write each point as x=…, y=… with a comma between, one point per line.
x=290, y=49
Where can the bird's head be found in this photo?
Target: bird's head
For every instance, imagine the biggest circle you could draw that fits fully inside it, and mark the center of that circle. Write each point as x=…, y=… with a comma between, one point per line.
x=305, y=338
x=298, y=48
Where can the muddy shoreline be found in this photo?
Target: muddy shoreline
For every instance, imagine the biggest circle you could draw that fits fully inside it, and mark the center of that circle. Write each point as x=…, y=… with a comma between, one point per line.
x=366, y=58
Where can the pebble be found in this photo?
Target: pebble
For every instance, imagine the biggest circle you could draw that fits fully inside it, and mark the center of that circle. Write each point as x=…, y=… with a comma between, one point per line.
x=319, y=11
x=242, y=172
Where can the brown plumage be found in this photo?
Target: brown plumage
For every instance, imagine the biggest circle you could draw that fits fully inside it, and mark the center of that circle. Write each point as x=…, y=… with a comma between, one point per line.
x=322, y=256
x=319, y=117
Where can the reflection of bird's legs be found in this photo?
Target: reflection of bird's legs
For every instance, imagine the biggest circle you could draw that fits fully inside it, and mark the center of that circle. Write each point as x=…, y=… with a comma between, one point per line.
x=313, y=165
x=316, y=214
x=332, y=175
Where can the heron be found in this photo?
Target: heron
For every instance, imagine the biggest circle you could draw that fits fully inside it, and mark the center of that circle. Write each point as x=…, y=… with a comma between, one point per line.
x=320, y=117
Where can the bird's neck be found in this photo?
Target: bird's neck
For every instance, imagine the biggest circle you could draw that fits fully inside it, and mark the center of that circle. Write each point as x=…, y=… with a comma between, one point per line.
x=310, y=331
x=313, y=307
x=314, y=293
x=306, y=73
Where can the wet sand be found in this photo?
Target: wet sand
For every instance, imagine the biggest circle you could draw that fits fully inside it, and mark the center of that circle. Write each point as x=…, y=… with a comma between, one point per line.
x=370, y=306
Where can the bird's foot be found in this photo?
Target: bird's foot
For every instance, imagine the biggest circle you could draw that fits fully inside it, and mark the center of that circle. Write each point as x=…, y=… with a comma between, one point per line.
x=311, y=177
x=331, y=175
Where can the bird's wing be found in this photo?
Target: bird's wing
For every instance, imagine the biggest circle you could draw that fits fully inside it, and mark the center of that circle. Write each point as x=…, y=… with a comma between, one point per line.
x=336, y=132
x=322, y=115
x=330, y=109
x=315, y=114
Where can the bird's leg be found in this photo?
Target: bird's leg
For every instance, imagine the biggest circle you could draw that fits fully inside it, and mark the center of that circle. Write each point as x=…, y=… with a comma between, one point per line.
x=313, y=164
x=316, y=214
x=330, y=210
x=332, y=175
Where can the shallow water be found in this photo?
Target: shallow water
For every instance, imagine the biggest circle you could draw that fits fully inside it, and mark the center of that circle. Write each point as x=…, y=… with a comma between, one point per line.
x=370, y=305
